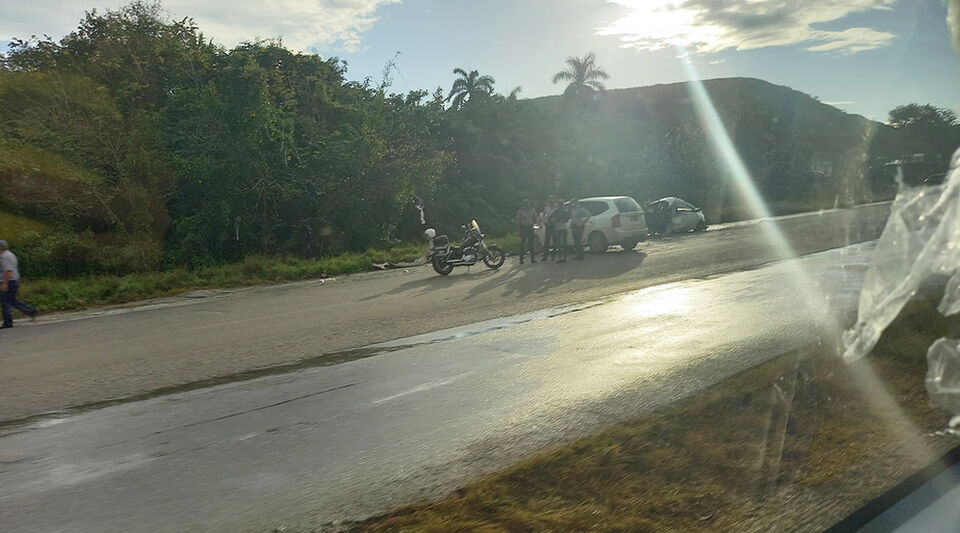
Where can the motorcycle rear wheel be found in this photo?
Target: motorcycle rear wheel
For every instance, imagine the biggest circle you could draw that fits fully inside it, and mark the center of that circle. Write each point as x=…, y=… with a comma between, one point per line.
x=441, y=266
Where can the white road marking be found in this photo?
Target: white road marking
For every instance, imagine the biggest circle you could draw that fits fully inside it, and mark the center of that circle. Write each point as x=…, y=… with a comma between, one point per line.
x=425, y=387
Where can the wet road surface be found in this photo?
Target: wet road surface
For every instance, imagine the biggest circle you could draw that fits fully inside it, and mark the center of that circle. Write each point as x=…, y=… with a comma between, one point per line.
x=421, y=417
x=85, y=359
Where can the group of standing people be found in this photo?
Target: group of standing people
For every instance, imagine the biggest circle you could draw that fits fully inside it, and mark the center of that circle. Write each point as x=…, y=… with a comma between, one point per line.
x=556, y=218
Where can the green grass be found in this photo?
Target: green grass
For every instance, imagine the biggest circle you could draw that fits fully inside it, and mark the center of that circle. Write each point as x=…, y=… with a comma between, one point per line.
x=792, y=444
x=21, y=159
x=90, y=291
x=13, y=226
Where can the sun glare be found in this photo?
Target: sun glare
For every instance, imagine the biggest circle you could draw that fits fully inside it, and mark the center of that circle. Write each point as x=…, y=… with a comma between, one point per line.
x=736, y=171
x=660, y=301
x=655, y=25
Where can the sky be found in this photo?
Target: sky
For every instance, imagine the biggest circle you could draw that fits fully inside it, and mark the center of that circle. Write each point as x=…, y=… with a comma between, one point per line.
x=863, y=56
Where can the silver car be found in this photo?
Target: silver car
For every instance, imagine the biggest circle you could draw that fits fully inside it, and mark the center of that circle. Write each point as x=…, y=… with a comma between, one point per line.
x=672, y=215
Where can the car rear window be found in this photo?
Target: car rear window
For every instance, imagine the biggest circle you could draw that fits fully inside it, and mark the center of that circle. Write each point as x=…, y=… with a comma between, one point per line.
x=595, y=208
x=627, y=205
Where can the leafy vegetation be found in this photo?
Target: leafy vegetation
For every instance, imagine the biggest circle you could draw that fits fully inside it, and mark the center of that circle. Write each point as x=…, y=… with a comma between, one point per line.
x=147, y=147
x=14, y=226
x=583, y=75
x=468, y=86
x=54, y=294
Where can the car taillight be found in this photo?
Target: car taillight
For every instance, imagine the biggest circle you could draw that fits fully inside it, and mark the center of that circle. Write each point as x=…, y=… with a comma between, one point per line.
x=616, y=220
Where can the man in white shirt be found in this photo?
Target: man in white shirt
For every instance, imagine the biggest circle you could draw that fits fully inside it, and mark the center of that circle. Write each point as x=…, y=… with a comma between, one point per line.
x=579, y=216
x=10, y=276
x=548, y=236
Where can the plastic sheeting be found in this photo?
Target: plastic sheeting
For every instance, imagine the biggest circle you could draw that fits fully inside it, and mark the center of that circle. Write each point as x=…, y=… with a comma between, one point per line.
x=943, y=373
x=921, y=238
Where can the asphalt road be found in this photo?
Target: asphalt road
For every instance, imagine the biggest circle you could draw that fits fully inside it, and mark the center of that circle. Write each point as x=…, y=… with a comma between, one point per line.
x=338, y=442
x=86, y=360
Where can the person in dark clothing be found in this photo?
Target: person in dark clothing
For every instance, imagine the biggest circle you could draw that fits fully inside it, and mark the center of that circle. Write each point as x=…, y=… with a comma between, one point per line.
x=578, y=219
x=526, y=218
x=548, y=236
x=560, y=219
x=308, y=242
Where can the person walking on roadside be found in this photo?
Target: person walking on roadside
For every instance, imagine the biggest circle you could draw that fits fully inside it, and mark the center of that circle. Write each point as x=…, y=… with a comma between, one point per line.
x=526, y=218
x=578, y=218
x=548, y=226
x=8, y=288
x=560, y=218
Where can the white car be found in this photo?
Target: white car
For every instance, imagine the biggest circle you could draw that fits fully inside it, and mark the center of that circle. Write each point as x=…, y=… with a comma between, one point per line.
x=672, y=215
x=613, y=220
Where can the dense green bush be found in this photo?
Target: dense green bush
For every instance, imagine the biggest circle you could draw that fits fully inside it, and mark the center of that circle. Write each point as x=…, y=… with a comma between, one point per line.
x=65, y=254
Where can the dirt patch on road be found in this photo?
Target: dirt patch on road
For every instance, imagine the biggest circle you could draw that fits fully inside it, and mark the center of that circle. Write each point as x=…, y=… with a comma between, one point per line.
x=793, y=444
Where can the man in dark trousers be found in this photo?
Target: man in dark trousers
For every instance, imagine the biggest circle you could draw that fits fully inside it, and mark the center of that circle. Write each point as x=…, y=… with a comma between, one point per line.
x=526, y=218
x=548, y=226
x=10, y=276
x=308, y=242
x=578, y=218
x=560, y=219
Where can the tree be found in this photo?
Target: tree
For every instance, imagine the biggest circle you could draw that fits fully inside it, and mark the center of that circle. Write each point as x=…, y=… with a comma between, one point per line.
x=916, y=115
x=925, y=129
x=468, y=86
x=583, y=74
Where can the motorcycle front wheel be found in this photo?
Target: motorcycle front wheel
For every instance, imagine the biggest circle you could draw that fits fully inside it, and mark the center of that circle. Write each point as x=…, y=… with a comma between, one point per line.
x=494, y=258
x=442, y=266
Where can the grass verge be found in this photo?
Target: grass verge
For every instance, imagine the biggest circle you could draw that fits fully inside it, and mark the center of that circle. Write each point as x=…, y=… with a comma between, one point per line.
x=91, y=291
x=13, y=226
x=794, y=444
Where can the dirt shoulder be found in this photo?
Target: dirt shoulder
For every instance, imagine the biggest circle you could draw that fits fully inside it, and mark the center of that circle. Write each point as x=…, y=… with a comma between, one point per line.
x=81, y=359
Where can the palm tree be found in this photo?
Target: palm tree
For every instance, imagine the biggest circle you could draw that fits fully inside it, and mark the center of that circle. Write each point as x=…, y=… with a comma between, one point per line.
x=514, y=94
x=467, y=86
x=583, y=74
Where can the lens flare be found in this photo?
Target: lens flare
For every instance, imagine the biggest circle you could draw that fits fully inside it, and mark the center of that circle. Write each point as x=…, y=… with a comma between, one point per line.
x=871, y=387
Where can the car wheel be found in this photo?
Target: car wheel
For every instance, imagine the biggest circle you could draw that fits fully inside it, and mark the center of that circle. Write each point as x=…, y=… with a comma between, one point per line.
x=701, y=226
x=629, y=244
x=598, y=242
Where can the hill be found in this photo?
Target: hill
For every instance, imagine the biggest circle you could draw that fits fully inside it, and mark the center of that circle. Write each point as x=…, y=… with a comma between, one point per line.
x=798, y=150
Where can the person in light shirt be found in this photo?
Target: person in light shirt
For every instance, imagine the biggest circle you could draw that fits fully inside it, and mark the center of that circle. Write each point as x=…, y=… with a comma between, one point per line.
x=578, y=219
x=9, y=268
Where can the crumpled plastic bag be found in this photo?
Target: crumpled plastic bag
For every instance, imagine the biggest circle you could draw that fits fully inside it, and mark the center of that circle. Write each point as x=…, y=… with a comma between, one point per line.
x=921, y=238
x=943, y=373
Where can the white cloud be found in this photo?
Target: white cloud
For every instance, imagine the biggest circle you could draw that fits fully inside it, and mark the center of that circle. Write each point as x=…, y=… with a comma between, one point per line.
x=302, y=24
x=850, y=41
x=840, y=103
x=716, y=25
